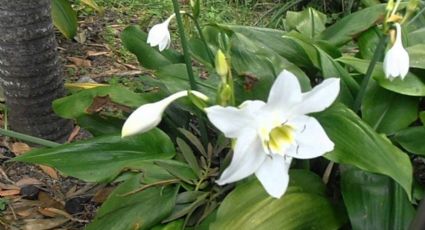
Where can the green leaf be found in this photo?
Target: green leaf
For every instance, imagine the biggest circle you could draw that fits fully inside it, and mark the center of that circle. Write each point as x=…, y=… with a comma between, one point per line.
x=64, y=18
x=101, y=159
x=272, y=39
x=250, y=207
x=189, y=156
x=77, y=105
x=412, y=84
x=99, y=126
x=374, y=201
x=175, y=225
x=176, y=79
x=412, y=139
x=262, y=64
x=416, y=55
x=367, y=42
x=387, y=112
x=422, y=117
x=356, y=143
x=308, y=22
x=353, y=25
x=149, y=57
x=416, y=37
x=178, y=169
x=141, y=210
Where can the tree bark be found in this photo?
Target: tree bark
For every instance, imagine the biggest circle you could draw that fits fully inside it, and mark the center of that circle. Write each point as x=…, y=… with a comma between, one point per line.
x=30, y=71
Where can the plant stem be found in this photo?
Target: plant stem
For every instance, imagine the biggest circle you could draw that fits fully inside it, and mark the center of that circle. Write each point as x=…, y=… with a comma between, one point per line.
x=28, y=138
x=376, y=56
x=185, y=46
x=201, y=35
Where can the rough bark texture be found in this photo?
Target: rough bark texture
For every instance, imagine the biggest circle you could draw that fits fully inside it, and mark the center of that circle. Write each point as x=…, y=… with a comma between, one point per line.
x=30, y=72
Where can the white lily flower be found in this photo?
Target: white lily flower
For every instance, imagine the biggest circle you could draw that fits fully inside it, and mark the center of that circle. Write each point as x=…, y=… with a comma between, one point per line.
x=396, y=61
x=148, y=116
x=268, y=135
x=159, y=35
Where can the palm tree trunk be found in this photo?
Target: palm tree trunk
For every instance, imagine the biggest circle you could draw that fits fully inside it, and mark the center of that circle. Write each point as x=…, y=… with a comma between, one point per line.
x=30, y=71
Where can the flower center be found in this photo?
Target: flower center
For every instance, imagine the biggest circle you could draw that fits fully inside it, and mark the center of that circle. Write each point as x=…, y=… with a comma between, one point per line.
x=280, y=138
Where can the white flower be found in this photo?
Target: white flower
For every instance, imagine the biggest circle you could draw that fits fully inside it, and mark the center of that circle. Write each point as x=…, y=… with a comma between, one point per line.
x=148, y=116
x=159, y=35
x=396, y=61
x=268, y=135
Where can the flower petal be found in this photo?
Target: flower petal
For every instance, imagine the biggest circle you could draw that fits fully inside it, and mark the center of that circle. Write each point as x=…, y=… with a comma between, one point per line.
x=273, y=174
x=319, y=98
x=229, y=120
x=311, y=139
x=285, y=92
x=147, y=116
x=396, y=61
x=247, y=157
x=156, y=34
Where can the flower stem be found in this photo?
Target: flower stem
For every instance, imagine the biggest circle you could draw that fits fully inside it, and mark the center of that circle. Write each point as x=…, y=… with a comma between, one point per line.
x=185, y=45
x=28, y=138
x=376, y=56
x=201, y=35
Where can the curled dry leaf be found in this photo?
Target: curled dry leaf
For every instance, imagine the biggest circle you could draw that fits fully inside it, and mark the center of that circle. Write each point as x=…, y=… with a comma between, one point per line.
x=49, y=171
x=20, y=148
x=79, y=61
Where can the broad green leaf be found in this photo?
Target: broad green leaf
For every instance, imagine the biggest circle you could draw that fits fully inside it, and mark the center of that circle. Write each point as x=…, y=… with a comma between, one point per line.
x=93, y=5
x=367, y=42
x=353, y=25
x=422, y=117
x=175, y=225
x=255, y=63
x=271, y=39
x=386, y=111
x=308, y=22
x=412, y=84
x=134, y=39
x=416, y=37
x=412, y=139
x=78, y=104
x=416, y=55
x=101, y=159
x=250, y=207
x=99, y=126
x=356, y=143
x=64, y=18
x=141, y=210
x=374, y=201
x=262, y=65
x=325, y=62
x=176, y=79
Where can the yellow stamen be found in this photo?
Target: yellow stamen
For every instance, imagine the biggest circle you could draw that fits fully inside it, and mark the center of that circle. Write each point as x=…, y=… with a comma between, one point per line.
x=280, y=137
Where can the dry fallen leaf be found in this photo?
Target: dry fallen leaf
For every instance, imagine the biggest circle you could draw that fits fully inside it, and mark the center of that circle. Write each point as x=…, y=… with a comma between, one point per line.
x=49, y=171
x=58, y=212
x=20, y=148
x=102, y=194
x=92, y=53
x=79, y=61
x=26, y=212
x=12, y=192
x=44, y=224
x=28, y=181
x=46, y=201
